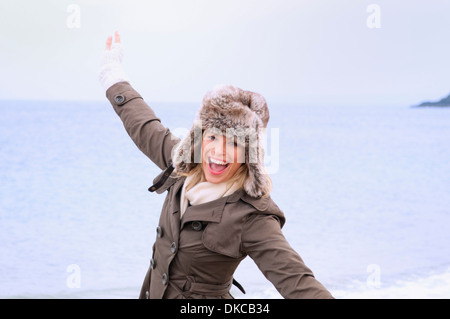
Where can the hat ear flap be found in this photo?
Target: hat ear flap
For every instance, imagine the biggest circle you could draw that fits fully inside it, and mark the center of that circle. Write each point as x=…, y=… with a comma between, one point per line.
x=182, y=153
x=188, y=152
x=257, y=180
x=178, y=153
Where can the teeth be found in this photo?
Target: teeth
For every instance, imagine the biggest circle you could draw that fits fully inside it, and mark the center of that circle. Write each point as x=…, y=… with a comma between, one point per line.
x=217, y=162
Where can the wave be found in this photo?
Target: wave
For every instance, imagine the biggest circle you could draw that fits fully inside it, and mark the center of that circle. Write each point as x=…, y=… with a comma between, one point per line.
x=434, y=285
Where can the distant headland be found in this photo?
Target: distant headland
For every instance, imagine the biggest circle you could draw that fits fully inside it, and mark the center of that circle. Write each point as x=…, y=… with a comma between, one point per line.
x=445, y=102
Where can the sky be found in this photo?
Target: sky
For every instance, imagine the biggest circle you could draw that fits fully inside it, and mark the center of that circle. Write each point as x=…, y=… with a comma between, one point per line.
x=301, y=52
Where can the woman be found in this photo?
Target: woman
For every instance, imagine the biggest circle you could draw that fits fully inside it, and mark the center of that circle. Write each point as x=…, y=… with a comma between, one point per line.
x=218, y=208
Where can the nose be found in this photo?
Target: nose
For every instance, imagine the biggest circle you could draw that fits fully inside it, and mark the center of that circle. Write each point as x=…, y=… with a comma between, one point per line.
x=219, y=150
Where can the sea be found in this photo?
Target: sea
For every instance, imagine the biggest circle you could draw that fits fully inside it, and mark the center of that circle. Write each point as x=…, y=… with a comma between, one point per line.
x=365, y=191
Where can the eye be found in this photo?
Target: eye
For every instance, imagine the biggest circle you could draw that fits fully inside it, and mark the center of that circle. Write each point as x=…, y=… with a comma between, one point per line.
x=210, y=137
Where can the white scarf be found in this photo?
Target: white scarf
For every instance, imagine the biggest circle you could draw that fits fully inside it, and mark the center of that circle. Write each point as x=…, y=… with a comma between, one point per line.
x=204, y=192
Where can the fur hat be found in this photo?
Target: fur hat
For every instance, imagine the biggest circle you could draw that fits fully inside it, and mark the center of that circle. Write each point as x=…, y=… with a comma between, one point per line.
x=235, y=113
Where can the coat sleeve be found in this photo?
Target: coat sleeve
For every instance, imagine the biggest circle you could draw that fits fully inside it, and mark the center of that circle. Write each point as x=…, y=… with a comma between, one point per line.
x=264, y=242
x=141, y=123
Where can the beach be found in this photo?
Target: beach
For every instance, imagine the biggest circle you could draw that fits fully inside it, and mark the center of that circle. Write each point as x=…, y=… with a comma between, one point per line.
x=365, y=191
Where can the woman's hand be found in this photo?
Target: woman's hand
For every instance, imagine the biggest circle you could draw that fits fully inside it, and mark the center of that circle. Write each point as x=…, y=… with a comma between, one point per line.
x=109, y=40
x=111, y=71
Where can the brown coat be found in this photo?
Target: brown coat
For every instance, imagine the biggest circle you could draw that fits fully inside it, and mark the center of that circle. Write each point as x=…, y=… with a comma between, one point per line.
x=195, y=257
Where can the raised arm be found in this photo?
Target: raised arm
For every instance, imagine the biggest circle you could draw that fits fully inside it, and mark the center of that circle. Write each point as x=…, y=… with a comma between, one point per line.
x=264, y=242
x=139, y=120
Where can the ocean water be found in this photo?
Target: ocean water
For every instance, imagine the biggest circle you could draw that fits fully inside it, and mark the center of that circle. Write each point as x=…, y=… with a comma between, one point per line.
x=366, y=193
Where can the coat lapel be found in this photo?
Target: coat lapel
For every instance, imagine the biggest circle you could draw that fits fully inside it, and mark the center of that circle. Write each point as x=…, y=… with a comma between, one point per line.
x=174, y=209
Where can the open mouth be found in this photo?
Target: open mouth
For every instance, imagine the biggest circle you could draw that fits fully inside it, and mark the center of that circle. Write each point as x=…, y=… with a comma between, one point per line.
x=217, y=167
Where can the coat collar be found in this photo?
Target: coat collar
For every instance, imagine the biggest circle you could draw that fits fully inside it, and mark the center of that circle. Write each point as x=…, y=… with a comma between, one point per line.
x=211, y=211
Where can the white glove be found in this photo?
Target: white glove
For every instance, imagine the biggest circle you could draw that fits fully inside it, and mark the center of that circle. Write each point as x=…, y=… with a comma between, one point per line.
x=111, y=71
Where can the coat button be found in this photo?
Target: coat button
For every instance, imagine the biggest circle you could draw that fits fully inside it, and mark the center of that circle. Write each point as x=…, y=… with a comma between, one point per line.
x=119, y=99
x=197, y=226
x=159, y=232
x=152, y=263
x=164, y=279
x=173, y=247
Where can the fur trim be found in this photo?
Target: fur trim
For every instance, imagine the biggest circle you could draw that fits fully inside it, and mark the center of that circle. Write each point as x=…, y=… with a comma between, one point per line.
x=233, y=112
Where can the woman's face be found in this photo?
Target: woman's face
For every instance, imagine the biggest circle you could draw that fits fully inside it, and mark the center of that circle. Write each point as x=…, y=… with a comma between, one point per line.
x=221, y=157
